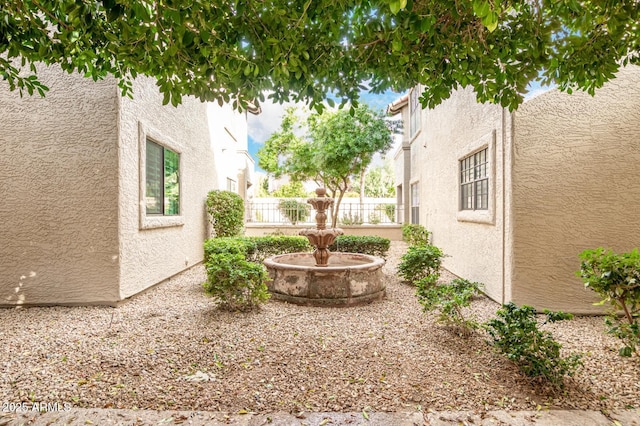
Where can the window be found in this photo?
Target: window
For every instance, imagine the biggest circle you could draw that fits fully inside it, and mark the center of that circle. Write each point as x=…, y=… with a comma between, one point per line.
x=162, y=173
x=474, y=181
x=232, y=185
x=415, y=204
x=414, y=111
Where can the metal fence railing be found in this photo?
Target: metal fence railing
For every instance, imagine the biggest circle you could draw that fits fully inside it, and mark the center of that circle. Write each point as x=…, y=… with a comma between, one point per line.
x=296, y=211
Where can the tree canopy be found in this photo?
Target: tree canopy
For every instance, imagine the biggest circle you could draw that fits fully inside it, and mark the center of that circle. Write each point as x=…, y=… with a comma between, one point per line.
x=329, y=149
x=301, y=50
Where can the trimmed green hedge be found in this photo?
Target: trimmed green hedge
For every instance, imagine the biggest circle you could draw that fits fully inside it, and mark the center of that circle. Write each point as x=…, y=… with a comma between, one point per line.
x=374, y=246
x=256, y=249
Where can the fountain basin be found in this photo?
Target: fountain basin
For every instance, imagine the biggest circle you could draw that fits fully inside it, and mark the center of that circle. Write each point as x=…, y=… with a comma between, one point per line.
x=349, y=279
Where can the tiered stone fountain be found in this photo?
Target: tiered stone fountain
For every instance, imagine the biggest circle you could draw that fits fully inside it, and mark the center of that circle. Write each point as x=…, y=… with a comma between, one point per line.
x=322, y=278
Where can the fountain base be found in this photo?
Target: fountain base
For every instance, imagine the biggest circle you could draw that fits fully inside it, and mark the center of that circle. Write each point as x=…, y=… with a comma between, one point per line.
x=349, y=279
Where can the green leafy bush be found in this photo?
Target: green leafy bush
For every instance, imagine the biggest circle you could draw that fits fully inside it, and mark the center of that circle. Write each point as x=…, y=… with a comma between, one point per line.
x=245, y=246
x=295, y=211
x=415, y=234
x=226, y=213
x=235, y=283
x=371, y=245
x=420, y=261
x=536, y=353
x=256, y=249
x=274, y=245
x=616, y=278
x=449, y=300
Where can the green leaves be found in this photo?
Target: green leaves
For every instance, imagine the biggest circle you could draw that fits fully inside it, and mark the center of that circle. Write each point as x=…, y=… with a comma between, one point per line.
x=483, y=9
x=226, y=212
x=616, y=278
x=335, y=147
x=304, y=50
x=449, y=300
x=515, y=333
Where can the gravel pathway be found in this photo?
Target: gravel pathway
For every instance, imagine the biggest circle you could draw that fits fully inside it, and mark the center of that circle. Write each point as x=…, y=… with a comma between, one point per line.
x=170, y=348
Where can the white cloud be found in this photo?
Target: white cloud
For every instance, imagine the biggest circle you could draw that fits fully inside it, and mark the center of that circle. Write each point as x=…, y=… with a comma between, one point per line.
x=261, y=126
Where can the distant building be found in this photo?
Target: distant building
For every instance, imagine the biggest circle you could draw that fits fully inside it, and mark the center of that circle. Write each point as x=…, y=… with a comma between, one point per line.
x=513, y=198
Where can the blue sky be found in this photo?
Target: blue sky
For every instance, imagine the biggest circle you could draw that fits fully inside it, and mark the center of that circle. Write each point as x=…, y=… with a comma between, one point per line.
x=268, y=122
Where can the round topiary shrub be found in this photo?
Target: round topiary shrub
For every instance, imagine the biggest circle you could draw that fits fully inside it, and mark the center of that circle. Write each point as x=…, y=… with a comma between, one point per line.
x=226, y=213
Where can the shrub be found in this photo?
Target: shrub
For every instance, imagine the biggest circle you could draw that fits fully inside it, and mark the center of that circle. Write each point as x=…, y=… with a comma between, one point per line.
x=295, y=211
x=235, y=283
x=371, y=245
x=536, y=353
x=389, y=211
x=616, y=278
x=273, y=245
x=449, y=300
x=256, y=249
x=226, y=213
x=420, y=261
x=245, y=246
x=415, y=234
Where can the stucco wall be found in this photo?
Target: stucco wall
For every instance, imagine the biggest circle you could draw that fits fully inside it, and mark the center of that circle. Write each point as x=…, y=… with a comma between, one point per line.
x=155, y=253
x=576, y=186
x=58, y=187
x=476, y=244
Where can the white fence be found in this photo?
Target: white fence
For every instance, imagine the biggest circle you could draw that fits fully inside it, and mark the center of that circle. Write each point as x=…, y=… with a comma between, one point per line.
x=372, y=211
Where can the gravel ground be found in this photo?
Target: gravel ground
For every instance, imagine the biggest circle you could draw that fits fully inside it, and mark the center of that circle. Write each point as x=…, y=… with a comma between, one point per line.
x=170, y=348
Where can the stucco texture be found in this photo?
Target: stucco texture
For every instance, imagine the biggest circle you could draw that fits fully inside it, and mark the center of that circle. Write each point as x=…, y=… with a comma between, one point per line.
x=474, y=245
x=576, y=186
x=150, y=255
x=59, y=190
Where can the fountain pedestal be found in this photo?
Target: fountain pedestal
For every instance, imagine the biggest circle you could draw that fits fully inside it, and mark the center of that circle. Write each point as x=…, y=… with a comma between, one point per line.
x=322, y=278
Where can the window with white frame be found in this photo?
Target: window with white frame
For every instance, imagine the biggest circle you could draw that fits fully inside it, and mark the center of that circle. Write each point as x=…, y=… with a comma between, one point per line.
x=232, y=185
x=415, y=204
x=162, y=180
x=474, y=181
x=414, y=111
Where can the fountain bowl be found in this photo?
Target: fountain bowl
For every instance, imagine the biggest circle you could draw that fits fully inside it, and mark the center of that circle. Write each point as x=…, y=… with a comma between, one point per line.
x=349, y=279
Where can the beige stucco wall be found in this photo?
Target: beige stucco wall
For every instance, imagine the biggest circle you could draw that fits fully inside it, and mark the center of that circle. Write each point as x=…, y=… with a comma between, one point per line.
x=152, y=252
x=477, y=245
x=576, y=185
x=58, y=190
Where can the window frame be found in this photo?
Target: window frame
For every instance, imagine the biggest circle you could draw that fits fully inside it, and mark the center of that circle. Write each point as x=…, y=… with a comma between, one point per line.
x=151, y=221
x=474, y=170
x=232, y=185
x=414, y=217
x=486, y=216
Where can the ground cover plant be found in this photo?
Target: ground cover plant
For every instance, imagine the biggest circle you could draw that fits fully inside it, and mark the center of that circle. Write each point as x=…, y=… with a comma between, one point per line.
x=616, y=278
x=450, y=300
x=516, y=334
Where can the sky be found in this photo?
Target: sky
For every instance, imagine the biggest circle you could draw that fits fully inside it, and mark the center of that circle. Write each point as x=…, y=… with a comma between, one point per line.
x=263, y=125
